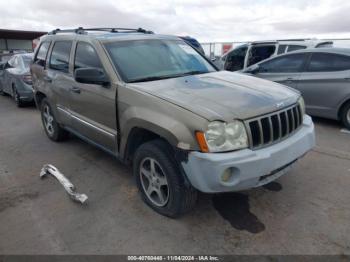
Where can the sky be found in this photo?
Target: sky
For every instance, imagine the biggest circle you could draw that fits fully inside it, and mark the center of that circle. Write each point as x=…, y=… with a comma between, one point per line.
x=206, y=20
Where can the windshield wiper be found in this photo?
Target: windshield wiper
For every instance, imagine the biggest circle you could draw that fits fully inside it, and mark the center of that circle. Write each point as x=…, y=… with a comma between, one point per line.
x=154, y=78
x=149, y=78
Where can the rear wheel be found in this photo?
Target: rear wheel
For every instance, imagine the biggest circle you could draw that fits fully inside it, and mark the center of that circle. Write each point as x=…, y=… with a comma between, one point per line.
x=345, y=116
x=52, y=129
x=160, y=181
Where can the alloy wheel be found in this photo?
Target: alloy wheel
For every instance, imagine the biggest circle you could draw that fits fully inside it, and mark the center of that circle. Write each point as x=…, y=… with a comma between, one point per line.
x=154, y=182
x=48, y=120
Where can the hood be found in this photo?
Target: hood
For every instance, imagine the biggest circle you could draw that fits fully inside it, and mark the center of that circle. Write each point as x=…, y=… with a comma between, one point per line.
x=222, y=95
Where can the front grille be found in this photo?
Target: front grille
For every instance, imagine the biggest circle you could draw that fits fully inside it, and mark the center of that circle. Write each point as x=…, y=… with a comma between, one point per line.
x=268, y=129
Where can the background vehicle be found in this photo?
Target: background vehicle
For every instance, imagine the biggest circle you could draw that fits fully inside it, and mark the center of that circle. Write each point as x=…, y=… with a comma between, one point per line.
x=246, y=55
x=2, y=65
x=321, y=75
x=155, y=102
x=193, y=42
x=16, y=79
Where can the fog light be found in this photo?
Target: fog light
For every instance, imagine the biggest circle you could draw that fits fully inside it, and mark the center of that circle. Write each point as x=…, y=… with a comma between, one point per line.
x=226, y=175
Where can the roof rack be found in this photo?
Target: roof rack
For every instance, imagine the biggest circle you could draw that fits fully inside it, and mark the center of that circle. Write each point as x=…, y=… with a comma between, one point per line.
x=81, y=30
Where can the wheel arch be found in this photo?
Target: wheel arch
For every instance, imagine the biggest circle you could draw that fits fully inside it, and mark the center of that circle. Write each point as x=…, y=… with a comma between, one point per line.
x=342, y=106
x=38, y=98
x=140, y=131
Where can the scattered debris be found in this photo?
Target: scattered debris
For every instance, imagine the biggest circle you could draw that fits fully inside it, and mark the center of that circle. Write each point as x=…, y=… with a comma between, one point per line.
x=68, y=186
x=344, y=130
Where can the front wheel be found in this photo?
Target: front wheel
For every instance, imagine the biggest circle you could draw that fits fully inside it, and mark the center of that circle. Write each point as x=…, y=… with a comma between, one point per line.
x=52, y=129
x=160, y=181
x=345, y=116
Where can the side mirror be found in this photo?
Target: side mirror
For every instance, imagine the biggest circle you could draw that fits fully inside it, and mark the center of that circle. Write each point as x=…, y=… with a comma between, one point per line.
x=253, y=69
x=93, y=76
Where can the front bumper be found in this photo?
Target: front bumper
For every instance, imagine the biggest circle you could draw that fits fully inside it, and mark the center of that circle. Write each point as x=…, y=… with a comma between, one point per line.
x=248, y=168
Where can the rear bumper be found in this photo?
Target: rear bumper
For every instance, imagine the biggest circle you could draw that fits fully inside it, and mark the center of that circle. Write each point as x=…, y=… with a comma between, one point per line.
x=26, y=93
x=248, y=168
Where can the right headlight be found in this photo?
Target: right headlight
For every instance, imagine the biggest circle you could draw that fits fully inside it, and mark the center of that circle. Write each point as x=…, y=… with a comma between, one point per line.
x=221, y=137
x=302, y=105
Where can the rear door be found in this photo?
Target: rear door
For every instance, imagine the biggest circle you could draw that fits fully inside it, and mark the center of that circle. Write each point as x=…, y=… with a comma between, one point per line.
x=325, y=84
x=38, y=68
x=93, y=106
x=58, y=78
x=285, y=69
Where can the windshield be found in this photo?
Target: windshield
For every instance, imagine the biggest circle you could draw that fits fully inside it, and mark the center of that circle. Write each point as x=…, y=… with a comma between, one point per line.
x=147, y=60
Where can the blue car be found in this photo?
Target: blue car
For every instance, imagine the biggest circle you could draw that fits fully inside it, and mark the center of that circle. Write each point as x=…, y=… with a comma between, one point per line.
x=193, y=42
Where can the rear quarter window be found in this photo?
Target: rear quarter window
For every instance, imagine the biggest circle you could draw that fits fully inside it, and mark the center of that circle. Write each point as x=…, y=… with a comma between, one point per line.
x=325, y=62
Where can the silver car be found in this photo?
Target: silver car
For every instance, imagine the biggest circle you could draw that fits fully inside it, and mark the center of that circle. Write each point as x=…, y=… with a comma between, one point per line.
x=321, y=75
x=16, y=80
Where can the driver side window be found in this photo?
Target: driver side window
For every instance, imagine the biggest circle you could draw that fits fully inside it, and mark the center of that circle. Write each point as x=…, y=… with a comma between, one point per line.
x=86, y=57
x=284, y=64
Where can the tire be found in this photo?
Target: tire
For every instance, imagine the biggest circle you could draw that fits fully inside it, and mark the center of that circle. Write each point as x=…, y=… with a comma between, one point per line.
x=345, y=116
x=179, y=197
x=2, y=93
x=52, y=129
x=16, y=97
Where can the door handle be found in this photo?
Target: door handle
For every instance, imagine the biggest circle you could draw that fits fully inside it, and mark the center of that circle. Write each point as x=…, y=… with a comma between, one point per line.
x=47, y=79
x=75, y=89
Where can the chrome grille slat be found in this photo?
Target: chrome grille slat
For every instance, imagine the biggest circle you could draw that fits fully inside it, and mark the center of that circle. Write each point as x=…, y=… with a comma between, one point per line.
x=287, y=122
x=261, y=133
x=298, y=117
x=293, y=122
x=271, y=128
x=279, y=126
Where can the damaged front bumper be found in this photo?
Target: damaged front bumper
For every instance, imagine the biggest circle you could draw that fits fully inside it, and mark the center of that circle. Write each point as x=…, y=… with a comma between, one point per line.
x=244, y=169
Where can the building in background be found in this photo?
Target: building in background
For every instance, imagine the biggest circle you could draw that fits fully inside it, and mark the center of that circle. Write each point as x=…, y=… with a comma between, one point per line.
x=17, y=40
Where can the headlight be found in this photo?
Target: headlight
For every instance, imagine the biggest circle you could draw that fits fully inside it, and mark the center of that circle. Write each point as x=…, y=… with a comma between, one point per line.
x=222, y=136
x=302, y=105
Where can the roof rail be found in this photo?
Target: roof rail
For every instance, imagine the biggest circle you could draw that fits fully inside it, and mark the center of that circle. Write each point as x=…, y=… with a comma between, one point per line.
x=81, y=30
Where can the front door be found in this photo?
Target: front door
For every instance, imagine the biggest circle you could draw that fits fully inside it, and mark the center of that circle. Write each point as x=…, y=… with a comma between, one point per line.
x=285, y=69
x=93, y=107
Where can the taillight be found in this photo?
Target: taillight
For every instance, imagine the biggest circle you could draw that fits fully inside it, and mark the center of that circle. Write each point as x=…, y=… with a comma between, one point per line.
x=27, y=79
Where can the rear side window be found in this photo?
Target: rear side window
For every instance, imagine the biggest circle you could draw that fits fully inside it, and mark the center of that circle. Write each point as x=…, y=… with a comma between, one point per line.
x=60, y=54
x=292, y=48
x=283, y=64
x=323, y=62
x=281, y=49
x=40, y=57
x=86, y=56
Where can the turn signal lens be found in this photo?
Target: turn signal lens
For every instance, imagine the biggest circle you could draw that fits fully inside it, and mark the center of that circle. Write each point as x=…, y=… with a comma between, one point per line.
x=202, y=142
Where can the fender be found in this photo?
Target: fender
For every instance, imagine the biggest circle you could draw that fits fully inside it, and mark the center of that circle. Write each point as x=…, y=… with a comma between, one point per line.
x=167, y=127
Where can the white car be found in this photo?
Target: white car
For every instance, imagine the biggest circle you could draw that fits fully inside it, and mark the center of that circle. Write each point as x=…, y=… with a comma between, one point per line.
x=249, y=54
